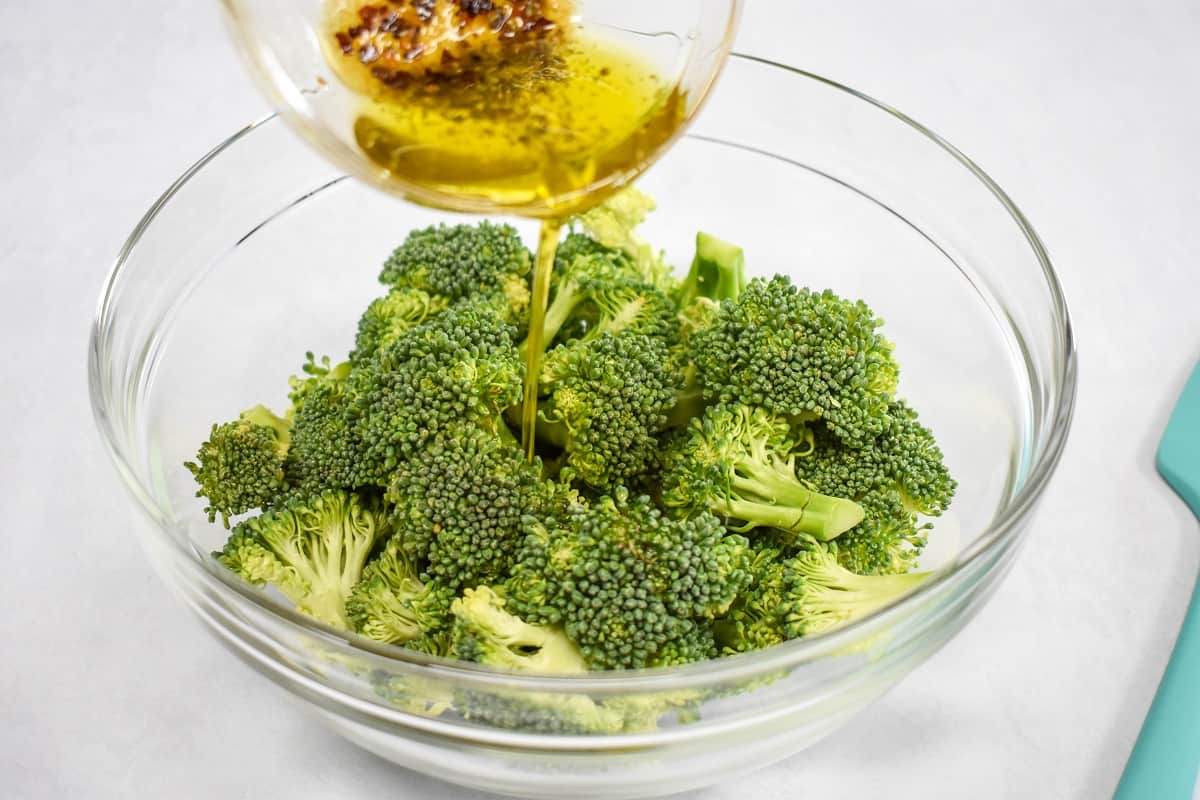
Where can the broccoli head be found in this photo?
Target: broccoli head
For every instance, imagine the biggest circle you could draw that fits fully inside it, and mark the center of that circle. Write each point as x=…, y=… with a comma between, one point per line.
x=388, y=317
x=391, y=603
x=613, y=224
x=325, y=452
x=897, y=478
x=739, y=463
x=460, y=261
x=457, y=505
x=459, y=366
x=630, y=586
x=808, y=355
x=486, y=633
x=821, y=594
x=240, y=467
x=313, y=551
x=604, y=402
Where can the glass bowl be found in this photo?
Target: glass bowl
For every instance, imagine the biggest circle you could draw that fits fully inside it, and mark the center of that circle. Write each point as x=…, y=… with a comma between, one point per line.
x=263, y=251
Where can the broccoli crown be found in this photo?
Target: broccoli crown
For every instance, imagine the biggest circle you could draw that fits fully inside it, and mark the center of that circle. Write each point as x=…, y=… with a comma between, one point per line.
x=391, y=603
x=313, y=551
x=899, y=476
x=738, y=462
x=325, y=451
x=629, y=585
x=459, y=366
x=388, y=317
x=596, y=293
x=240, y=467
x=486, y=633
x=754, y=621
x=821, y=594
x=459, y=261
x=605, y=402
x=800, y=353
x=613, y=224
x=458, y=505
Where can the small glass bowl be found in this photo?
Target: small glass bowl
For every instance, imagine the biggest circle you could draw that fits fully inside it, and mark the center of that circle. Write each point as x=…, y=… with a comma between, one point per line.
x=263, y=251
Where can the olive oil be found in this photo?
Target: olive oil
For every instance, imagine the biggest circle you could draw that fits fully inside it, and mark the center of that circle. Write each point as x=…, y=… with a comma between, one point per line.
x=536, y=119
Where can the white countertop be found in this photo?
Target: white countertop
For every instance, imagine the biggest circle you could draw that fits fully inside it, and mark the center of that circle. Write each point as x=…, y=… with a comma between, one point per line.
x=1084, y=110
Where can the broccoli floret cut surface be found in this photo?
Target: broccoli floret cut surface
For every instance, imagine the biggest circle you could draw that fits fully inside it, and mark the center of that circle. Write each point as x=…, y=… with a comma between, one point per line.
x=313, y=551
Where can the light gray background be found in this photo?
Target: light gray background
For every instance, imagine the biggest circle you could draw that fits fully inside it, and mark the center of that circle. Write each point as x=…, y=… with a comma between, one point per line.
x=1083, y=109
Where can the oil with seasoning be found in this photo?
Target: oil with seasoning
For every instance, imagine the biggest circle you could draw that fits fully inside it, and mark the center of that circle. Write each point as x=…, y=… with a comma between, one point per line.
x=501, y=106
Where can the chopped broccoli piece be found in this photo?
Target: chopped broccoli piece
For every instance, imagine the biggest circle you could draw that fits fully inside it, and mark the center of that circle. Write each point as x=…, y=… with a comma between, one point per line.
x=605, y=401
x=388, y=317
x=486, y=633
x=823, y=594
x=391, y=603
x=718, y=272
x=459, y=504
x=897, y=477
x=240, y=467
x=739, y=463
x=325, y=452
x=803, y=354
x=459, y=261
x=629, y=585
x=459, y=366
x=313, y=551
x=613, y=224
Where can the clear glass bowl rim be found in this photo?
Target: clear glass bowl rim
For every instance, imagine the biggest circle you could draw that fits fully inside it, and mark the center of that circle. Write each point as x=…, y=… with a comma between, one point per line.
x=993, y=539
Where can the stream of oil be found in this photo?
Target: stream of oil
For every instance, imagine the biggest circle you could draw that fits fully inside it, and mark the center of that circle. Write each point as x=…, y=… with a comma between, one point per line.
x=544, y=124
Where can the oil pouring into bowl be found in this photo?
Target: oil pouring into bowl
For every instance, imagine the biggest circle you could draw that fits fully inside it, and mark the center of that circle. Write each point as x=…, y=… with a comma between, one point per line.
x=711, y=560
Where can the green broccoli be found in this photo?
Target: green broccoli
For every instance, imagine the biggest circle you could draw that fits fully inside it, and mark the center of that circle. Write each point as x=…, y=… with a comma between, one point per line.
x=388, y=317
x=718, y=272
x=459, y=366
x=802, y=354
x=390, y=603
x=897, y=478
x=313, y=551
x=325, y=452
x=629, y=585
x=240, y=467
x=459, y=504
x=822, y=594
x=486, y=633
x=613, y=224
x=603, y=402
x=461, y=261
x=739, y=463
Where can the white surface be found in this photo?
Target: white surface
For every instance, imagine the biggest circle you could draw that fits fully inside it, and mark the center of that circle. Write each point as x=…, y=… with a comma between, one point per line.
x=1083, y=109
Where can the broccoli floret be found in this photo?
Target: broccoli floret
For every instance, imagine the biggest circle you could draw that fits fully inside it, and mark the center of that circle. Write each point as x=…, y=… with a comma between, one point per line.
x=822, y=594
x=460, y=366
x=388, y=317
x=325, y=452
x=739, y=463
x=313, y=551
x=459, y=504
x=392, y=604
x=486, y=633
x=800, y=353
x=613, y=224
x=595, y=294
x=460, y=261
x=755, y=621
x=604, y=402
x=629, y=585
x=240, y=467
x=897, y=478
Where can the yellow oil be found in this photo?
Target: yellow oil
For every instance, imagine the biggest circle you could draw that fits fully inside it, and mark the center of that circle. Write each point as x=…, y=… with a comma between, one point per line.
x=543, y=128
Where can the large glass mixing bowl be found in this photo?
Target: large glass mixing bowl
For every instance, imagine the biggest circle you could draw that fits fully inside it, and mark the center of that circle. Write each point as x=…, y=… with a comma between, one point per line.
x=264, y=250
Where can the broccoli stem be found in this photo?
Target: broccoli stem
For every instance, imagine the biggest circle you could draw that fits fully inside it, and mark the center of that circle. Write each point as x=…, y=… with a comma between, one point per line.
x=771, y=497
